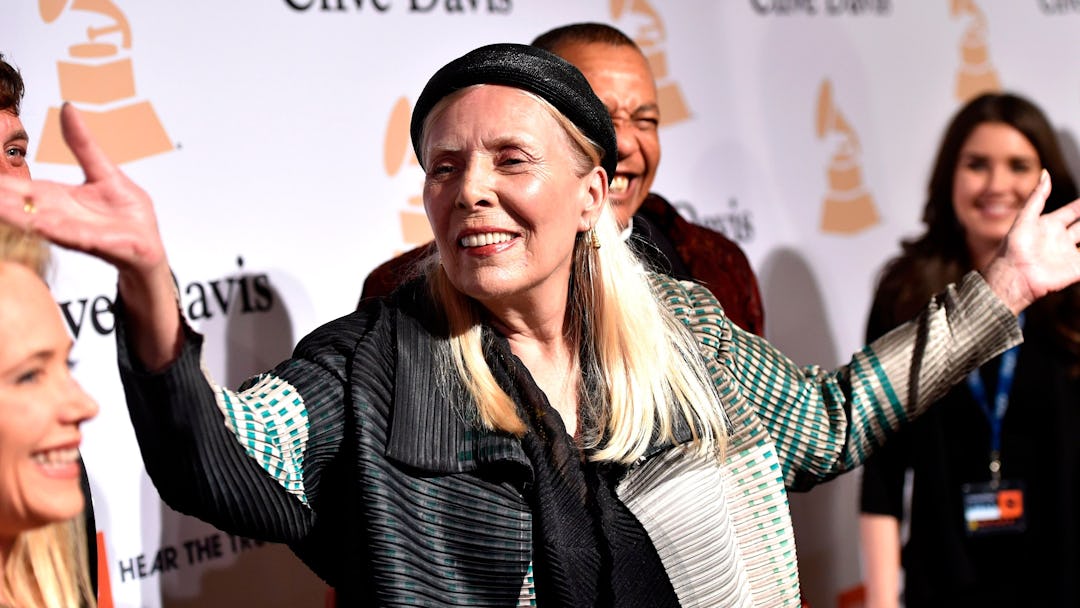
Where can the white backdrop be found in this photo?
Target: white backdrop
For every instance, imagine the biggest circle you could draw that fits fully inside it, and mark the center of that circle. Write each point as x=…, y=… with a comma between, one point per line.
x=272, y=135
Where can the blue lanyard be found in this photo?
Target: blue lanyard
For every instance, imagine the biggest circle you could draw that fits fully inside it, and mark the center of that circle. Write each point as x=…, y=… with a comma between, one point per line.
x=996, y=415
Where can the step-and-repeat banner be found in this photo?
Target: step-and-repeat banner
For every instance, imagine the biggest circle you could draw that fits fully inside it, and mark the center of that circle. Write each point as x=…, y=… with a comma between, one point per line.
x=273, y=137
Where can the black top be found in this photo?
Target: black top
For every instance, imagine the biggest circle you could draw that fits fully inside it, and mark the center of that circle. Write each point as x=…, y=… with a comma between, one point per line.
x=90, y=523
x=950, y=446
x=652, y=245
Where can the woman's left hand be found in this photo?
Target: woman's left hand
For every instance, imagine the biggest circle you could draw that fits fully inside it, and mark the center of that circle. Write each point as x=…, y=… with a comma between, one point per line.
x=1039, y=254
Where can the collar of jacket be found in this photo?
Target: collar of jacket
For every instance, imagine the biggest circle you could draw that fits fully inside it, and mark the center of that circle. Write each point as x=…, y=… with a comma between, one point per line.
x=427, y=432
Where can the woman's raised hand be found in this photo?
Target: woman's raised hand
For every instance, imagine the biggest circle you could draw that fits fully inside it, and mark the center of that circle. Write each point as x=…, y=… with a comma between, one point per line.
x=1039, y=254
x=108, y=216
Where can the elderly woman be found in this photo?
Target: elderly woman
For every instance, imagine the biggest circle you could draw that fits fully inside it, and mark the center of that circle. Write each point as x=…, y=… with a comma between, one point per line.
x=539, y=420
x=41, y=408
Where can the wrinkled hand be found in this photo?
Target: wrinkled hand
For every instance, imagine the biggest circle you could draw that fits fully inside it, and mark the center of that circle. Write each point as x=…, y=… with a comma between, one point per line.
x=108, y=216
x=1039, y=254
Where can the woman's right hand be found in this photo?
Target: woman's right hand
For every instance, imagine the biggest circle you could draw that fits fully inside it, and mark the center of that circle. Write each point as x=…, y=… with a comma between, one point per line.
x=112, y=218
x=108, y=216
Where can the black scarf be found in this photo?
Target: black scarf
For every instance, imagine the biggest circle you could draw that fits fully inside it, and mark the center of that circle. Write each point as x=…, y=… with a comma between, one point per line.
x=588, y=548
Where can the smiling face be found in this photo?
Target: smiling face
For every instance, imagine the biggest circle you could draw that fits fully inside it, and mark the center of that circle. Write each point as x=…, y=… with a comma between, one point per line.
x=506, y=194
x=41, y=407
x=15, y=141
x=995, y=173
x=621, y=78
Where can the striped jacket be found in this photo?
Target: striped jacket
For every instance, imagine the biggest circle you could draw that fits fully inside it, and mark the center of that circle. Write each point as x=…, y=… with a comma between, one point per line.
x=349, y=453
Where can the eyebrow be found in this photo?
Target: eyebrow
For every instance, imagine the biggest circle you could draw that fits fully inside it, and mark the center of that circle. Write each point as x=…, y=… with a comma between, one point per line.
x=34, y=357
x=524, y=141
x=1023, y=156
x=516, y=140
x=17, y=135
x=645, y=107
x=44, y=354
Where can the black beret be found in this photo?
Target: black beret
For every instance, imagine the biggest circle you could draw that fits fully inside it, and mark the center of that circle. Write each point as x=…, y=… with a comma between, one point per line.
x=529, y=68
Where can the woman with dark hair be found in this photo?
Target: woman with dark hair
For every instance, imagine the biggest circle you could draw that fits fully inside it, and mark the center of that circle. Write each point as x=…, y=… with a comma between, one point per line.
x=988, y=446
x=538, y=420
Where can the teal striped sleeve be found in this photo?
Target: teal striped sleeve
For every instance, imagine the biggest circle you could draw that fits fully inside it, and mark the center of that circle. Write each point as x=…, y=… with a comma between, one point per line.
x=826, y=422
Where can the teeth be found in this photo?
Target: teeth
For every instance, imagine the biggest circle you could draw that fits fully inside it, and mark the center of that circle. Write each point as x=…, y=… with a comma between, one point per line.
x=486, y=238
x=59, y=457
x=619, y=184
x=996, y=210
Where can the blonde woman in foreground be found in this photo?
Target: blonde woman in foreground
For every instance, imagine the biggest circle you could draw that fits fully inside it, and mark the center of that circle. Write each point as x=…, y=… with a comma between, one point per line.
x=41, y=407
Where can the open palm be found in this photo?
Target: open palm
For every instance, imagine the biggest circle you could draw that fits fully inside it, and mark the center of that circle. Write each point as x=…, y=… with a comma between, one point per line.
x=1039, y=254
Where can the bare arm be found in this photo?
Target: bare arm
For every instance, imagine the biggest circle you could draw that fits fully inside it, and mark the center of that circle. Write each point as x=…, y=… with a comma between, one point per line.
x=879, y=538
x=151, y=302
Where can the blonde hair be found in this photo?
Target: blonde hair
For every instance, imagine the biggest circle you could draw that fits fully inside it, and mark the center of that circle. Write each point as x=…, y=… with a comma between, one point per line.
x=46, y=566
x=22, y=247
x=646, y=363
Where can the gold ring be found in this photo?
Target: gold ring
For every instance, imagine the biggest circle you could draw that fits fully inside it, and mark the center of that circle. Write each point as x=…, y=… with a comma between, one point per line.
x=28, y=205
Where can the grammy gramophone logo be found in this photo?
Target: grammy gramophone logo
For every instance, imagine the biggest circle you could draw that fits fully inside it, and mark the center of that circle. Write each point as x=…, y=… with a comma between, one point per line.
x=848, y=206
x=398, y=154
x=98, y=77
x=652, y=38
x=976, y=74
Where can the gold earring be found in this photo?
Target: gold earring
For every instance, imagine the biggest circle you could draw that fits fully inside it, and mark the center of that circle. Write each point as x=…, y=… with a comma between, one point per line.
x=594, y=239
